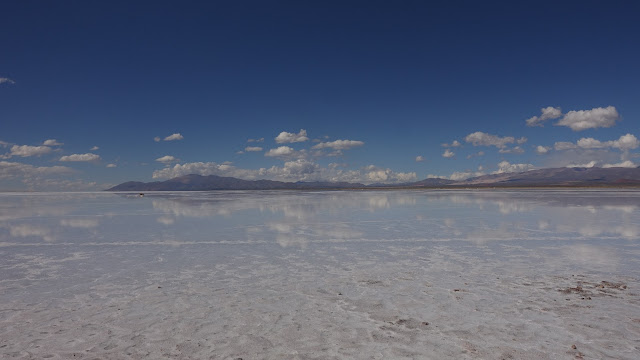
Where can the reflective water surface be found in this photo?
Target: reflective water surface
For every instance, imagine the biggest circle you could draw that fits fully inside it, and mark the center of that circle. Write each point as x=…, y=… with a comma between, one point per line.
x=294, y=274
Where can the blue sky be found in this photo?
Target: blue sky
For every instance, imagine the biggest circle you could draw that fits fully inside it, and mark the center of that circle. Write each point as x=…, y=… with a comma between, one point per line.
x=102, y=81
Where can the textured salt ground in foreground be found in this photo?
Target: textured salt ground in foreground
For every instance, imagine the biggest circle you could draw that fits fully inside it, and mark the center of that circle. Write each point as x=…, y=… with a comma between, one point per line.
x=393, y=275
x=347, y=304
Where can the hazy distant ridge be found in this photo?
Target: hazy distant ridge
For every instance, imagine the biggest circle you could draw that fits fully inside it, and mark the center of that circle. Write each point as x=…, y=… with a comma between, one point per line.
x=543, y=177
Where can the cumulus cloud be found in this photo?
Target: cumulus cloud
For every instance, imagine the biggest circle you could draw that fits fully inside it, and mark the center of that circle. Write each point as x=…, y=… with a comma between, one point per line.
x=547, y=113
x=4, y=80
x=542, y=149
x=458, y=175
x=94, y=148
x=111, y=165
x=463, y=175
x=167, y=159
x=522, y=140
x=174, y=137
x=624, y=143
x=590, y=119
x=338, y=144
x=280, y=151
x=256, y=140
x=448, y=154
x=81, y=157
x=252, y=148
x=455, y=143
x=478, y=154
x=27, y=150
x=375, y=174
x=294, y=170
x=624, y=164
x=420, y=158
x=479, y=138
x=513, y=150
x=157, y=139
x=287, y=137
x=52, y=142
x=14, y=170
x=590, y=164
x=46, y=178
x=564, y=145
x=506, y=167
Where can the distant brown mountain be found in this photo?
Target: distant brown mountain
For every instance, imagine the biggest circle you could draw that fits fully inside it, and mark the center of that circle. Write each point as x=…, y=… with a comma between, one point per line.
x=543, y=177
x=560, y=177
x=194, y=182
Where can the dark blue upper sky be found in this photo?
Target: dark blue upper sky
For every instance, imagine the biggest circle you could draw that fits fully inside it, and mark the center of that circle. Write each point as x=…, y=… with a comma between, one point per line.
x=396, y=79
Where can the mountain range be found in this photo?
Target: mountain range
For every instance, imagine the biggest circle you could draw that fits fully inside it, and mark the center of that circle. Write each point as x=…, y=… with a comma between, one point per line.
x=575, y=176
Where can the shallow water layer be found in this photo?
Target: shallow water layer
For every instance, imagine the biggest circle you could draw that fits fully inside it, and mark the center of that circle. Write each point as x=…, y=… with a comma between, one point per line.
x=320, y=275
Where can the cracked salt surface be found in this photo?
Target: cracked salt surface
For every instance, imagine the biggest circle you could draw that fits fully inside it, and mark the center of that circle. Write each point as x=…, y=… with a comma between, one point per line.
x=550, y=274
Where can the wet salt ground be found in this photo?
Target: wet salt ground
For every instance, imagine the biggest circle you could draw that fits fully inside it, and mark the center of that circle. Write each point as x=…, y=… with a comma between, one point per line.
x=303, y=275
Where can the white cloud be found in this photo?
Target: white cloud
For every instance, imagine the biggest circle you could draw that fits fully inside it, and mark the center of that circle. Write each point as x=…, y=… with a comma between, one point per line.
x=43, y=177
x=27, y=150
x=80, y=157
x=167, y=159
x=111, y=165
x=506, y=167
x=564, y=145
x=514, y=150
x=463, y=175
x=256, y=140
x=455, y=143
x=624, y=164
x=253, y=148
x=287, y=137
x=624, y=143
x=280, y=151
x=478, y=154
x=94, y=148
x=174, y=137
x=338, y=144
x=6, y=80
x=542, y=149
x=479, y=138
x=590, y=143
x=547, y=113
x=590, y=119
x=157, y=139
x=458, y=175
x=295, y=170
x=52, y=142
x=46, y=178
x=448, y=154
x=420, y=158
x=522, y=140
x=375, y=174
x=590, y=164
x=15, y=170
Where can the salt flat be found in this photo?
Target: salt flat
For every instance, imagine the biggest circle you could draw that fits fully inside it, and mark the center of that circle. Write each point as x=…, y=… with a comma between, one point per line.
x=538, y=274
